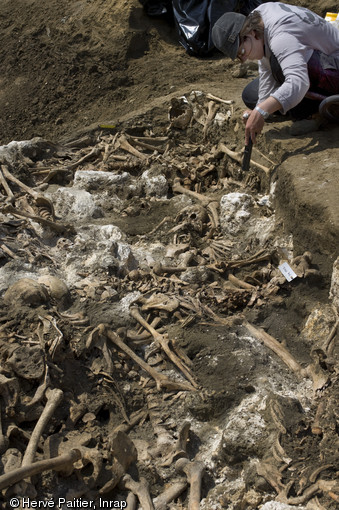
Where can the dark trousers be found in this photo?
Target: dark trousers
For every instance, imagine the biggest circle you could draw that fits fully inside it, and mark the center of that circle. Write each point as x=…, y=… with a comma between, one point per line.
x=323, y=81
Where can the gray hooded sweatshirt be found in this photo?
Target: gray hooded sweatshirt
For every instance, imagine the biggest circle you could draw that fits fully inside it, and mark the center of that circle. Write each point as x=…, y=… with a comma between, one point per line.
x=292, y=33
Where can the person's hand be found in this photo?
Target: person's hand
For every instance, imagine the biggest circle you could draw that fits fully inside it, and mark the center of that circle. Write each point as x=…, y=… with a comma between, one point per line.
x=254, y=126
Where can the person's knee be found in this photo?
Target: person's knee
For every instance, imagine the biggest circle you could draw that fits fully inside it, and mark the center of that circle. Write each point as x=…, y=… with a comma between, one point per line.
x=250, y=94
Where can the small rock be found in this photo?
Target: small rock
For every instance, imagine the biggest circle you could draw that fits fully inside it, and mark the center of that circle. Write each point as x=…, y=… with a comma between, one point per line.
x=240, y=71
x=275, y=505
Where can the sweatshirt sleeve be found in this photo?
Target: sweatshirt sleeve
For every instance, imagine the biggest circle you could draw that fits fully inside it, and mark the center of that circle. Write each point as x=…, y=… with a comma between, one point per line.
x=293, y=58
x=267, y=84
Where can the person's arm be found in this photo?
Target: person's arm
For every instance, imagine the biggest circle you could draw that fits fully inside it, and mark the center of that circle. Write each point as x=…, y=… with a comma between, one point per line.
x=267, y=84
x=256, y=120
x=291, y=57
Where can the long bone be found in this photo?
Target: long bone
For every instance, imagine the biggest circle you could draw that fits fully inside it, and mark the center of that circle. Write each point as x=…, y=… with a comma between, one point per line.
x=212, y=110
x=210, y=204
x=131, y=501
x=8, y=251
x=125, y=454
x=159, y=269
x=40, y=200
x=240, y=283
x=126, y=146
x=144, y=142
x=163, y=341
x=164, y=437
x=54, y=398
x=10, y=195
x=313, y=371
x=144, y=336
x=161, y=380
x=140, y=489
x=194, y=472
x=215, y=98
x=179, y=449
x=237, y=156
x=260, y=256
x=29, y=470
x=276, y=347
x=170, y=494
x=94, y=153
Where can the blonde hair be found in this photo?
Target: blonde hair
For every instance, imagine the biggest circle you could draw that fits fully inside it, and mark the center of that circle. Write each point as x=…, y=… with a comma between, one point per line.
x=253, y=22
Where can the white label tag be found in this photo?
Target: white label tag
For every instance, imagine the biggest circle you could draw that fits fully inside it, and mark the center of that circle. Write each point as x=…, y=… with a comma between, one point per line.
x=287, y=271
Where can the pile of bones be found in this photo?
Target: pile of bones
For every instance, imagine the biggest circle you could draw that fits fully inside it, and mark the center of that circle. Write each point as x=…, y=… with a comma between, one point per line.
x=112, y=242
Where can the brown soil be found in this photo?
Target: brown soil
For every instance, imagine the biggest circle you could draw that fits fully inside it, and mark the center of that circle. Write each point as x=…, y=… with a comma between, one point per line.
x=65, y=69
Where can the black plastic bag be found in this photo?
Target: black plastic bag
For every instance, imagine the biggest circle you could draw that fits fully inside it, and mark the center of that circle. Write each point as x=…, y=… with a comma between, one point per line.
x=194, y=19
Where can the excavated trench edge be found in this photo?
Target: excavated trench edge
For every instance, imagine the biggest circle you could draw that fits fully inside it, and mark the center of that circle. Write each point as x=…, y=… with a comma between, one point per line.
x=298, y=216
x=314, y=226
